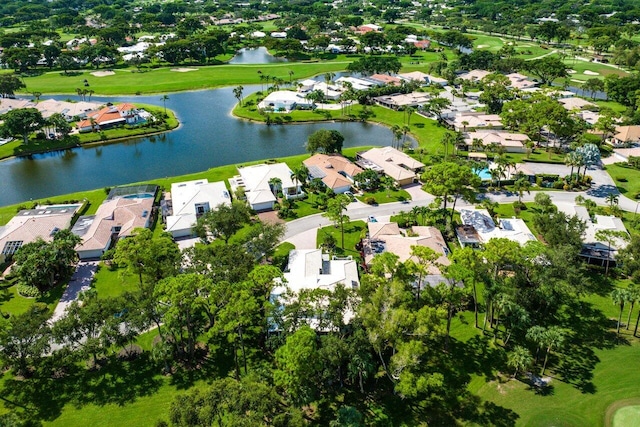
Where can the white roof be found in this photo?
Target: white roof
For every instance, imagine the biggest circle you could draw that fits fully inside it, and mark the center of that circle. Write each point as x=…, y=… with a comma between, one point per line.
x=186, y=195
x=311, y=269
x=509, y=228
x=475, y=75
x=394, y=163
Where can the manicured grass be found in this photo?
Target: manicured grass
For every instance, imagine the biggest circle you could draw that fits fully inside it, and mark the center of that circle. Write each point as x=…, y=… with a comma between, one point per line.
x=628, y=416
x=615, y=106
x=13, y=303
x=386, y=196
x=163, y=80
x=113, y=282
x=631, y=187
x=353, y=232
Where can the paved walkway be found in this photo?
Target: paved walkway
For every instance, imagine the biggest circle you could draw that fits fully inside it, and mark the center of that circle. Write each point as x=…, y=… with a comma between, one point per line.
x=80, y=282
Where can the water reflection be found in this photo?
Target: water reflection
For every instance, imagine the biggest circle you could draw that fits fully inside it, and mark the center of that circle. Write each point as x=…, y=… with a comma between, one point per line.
x=259, y=55
x=209, y=137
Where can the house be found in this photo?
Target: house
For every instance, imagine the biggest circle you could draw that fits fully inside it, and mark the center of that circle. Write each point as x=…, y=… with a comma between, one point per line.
x=400, y=100
x=260, y=182
x=69, y=110
x=468, y=120
x=115, y=219
x=478, y=228
x=393, y=163
x=285, y=101
x=386, y=79
x=331, y=92
x=576, y=103
x=28, y=225
x=335, y=171
x=595, y=249
x=190, y=200
x=422, y=44
x=307, y=85
x=520, y=81
x=512, y=142
x=113, y=116
x=474, y=75
x=356, y=83
x=433, y=80
x=367, y=28
x=415, y=76
x=626, y=136
x=311, y=269
x=387, y=237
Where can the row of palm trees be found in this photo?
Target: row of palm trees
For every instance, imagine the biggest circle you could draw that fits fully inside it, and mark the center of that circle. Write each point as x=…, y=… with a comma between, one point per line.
x=622, y=297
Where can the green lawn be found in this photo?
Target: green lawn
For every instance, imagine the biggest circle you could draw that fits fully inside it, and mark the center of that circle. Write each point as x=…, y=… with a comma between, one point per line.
x=620, y=172
x=114, y=282
x=353, y=232
x=628, y=416
x=13, y=303
x=386, y=196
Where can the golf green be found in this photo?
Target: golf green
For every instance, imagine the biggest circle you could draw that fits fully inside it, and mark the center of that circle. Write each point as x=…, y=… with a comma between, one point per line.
x=627, y=416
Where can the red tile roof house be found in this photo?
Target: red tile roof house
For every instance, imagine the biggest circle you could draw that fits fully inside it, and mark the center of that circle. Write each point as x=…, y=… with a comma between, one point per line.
x=110, y=116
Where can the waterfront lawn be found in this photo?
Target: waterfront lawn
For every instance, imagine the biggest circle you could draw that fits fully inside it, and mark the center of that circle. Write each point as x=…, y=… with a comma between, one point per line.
x=353, y=232
x=627, y=179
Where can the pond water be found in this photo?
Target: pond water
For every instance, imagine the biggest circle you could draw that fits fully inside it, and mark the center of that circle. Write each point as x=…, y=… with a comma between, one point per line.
x=258, y=55
x=209, y=136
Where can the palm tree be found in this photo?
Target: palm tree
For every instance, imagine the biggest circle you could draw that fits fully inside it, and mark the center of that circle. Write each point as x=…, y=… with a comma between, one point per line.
x=447, y=138
x=632, y=297
x=519, y=359
x=409, y=111
x=520, y=186
x=405, y=130
x=164, y=100
x=300, y=175
x=290, y=76
x=537, y=334
x=464, y=125
x=612, y=199
x=553, y=337
x=328, y=77
x=476, y=144
x=619, y=297
x=237, y=92
x=276, y=185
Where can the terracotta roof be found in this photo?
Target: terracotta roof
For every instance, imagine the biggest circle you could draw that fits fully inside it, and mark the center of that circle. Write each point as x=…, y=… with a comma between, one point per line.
x=107, y=115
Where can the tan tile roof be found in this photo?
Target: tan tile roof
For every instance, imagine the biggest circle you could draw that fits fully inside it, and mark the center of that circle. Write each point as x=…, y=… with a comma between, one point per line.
x=332, y=165
x=627, y=133
x=125, y=213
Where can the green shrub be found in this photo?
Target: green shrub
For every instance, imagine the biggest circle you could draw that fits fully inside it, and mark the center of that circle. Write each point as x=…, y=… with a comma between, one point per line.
x=28, y=291
x=621, y=179
x=370, y=201
x=558, y=185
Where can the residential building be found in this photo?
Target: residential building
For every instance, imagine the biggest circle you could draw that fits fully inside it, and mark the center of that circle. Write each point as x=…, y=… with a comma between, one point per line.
x=415, y=76
x=189, y=201
x=626, y=136
x=285, y=101
x=386, y=79
x=387, y=237
x=595, y=248
x=262, y=182
x=400, y=100
x=520, y=81
x=474, y=75
x=512, y=142
x=357, y=83
x=393, y=163
x=113, y=116
x=478, y=228
x=335, y=171
x=115, y=219
x=576, y=103
x=28, y=225
x=69, y=110
x=467, y=120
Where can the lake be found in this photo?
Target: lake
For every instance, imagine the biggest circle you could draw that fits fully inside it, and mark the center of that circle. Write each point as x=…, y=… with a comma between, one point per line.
x=209, y=136
x=259, y=55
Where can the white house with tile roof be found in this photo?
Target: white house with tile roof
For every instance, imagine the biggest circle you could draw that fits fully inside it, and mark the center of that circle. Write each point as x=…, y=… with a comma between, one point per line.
x=258, y=183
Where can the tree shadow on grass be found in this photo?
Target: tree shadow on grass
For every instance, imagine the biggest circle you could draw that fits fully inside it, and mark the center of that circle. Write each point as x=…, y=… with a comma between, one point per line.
x=116, y=382
x=590, y=330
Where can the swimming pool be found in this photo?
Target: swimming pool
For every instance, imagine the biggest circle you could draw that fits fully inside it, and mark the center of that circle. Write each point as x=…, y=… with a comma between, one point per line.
x=484, y=174
x=138, y=196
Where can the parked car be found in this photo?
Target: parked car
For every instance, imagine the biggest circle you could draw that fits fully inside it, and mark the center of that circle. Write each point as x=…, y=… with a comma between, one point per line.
x=350, y=195
x=372, y=218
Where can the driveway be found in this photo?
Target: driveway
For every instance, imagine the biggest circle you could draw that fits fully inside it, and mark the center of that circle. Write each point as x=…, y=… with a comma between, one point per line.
x=80, y=282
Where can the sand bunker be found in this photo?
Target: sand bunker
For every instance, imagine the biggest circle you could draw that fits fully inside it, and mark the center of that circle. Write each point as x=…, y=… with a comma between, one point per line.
x=482, y=46
x=571, y=71
x=591, y=73
x=183, y=70
x=102, y=73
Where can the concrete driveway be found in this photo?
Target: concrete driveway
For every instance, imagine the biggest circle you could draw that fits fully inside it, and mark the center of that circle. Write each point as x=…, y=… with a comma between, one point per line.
x=80, y=282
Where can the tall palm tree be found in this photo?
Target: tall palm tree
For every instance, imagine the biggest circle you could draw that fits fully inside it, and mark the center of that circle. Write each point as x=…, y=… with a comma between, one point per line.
x=300, y=175
x=612, y=199
x=554, y=338
x=328, y=78
x=164, y=100
x=520, y=186
x=290, y=76
x=447, y=138
x=632, y=297
x=619, y=297
x=276, y=185
x=409, y=111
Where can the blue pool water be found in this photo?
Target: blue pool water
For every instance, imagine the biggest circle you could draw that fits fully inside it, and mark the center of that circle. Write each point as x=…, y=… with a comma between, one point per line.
x=484, y=174
x=138, y=196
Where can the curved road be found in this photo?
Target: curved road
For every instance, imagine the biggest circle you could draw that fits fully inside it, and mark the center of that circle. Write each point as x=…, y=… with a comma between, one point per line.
x=602, y=186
